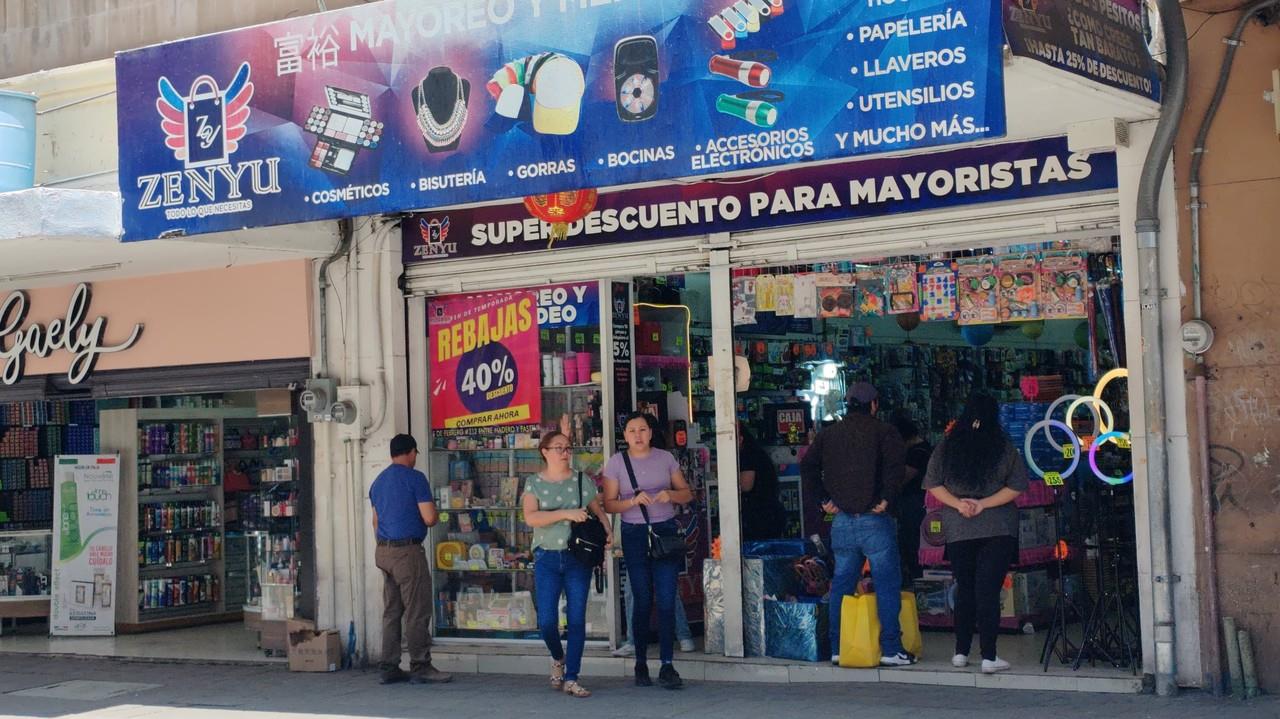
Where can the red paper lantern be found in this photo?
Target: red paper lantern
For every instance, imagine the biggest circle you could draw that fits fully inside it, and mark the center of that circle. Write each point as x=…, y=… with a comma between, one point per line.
x=561, y=209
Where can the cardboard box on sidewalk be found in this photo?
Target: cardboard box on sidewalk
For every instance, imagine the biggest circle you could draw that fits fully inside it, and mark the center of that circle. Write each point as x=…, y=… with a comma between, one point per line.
x=311, y=650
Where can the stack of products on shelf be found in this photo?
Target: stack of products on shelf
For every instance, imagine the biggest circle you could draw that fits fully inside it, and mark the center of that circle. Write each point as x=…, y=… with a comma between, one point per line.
x=175, y=592
x=167, y=475
x=178, y=438
x=24, y=565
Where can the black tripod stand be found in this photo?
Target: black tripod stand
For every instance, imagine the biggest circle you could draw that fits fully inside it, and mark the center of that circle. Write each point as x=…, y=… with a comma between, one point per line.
x=1058, y=643
x=1110, y=634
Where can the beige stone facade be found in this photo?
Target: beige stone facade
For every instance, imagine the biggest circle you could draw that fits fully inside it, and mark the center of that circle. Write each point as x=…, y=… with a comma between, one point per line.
x=1240, y=249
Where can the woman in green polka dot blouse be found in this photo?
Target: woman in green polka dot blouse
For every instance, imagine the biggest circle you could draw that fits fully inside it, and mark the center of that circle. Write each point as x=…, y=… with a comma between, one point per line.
x=551, y=502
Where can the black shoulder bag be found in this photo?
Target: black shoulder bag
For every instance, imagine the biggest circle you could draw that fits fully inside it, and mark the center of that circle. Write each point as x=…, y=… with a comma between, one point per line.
x=660, y=547
x=587, y=539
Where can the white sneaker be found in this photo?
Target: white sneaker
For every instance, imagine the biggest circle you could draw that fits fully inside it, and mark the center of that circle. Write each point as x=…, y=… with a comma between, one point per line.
x=960, y=661
x=686, y=645
x=835, y=659
x=626, y=650
x=991, y=667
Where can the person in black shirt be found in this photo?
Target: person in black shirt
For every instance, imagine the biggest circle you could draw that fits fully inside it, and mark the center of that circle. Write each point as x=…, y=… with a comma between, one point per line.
x=762, y=514
x=911, y=502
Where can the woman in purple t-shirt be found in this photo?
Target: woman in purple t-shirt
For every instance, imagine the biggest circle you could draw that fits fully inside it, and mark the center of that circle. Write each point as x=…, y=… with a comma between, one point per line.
x=657, y=486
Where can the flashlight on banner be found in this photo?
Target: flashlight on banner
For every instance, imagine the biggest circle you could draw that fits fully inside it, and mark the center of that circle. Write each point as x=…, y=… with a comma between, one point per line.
x=747, y=72
x=756, y=112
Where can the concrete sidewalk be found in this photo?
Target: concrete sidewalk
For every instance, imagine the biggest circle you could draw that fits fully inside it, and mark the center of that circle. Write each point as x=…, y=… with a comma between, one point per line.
x=128, y=689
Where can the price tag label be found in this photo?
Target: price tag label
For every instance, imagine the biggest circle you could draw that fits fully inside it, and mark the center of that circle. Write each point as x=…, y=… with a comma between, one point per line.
x=935, y=527
x=444, y=516
x=1123, y=443
x=1053, y=479
x=1068, y=451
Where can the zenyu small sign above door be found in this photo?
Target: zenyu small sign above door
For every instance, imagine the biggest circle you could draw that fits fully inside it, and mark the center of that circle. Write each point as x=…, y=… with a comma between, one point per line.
x=83, y=341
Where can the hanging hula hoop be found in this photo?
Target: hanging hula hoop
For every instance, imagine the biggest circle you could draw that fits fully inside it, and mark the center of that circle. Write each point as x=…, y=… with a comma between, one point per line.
x=1093, y=459
x=1097, y=418
x=1046, y=424
x=1105, y=422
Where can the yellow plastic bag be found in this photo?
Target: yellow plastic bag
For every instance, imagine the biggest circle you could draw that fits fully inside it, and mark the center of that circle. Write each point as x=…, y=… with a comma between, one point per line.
x=860, y=630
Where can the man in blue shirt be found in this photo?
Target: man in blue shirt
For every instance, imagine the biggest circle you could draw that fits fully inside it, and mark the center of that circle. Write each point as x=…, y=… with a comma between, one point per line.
x=403, y=509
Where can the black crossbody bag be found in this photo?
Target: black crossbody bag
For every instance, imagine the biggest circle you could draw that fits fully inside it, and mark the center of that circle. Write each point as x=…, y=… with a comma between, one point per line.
x=587, y=539
x=660, y=547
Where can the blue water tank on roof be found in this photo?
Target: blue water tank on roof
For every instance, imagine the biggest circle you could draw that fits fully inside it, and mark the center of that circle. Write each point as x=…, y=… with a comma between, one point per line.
x=17, y=140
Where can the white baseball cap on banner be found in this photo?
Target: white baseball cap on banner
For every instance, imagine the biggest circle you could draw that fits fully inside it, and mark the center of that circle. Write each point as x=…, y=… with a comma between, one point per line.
x=557, y=88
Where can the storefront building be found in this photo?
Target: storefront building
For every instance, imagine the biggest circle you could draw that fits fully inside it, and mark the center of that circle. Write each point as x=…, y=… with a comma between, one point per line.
x=196, y=407
x=648, y=302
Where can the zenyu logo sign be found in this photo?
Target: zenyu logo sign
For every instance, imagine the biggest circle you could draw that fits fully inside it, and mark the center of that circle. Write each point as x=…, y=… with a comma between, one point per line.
x=83, y=341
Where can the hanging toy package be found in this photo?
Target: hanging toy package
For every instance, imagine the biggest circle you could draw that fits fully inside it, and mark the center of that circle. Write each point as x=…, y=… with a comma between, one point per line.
x=744, y=301
x=977, y=291
x=870, y=293
x=938, y=291
x=1019, y=288
x=904, y=296
x=785, y=295
x=1064, y=285
x=766, y=293
x=806, y=296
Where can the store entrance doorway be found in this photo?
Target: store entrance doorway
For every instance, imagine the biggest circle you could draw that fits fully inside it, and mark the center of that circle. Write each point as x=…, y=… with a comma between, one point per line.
x=1037, y=327
x=208, y=553
x=671, y=327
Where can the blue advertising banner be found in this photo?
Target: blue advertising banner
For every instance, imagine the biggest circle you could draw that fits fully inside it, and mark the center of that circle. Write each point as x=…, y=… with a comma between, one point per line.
x=824, y=193
x=575, y=304
x=411, y=104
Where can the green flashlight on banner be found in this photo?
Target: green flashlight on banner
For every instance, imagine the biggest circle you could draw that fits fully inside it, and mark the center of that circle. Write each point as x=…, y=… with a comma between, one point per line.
x=70, y=538
x=756, y=112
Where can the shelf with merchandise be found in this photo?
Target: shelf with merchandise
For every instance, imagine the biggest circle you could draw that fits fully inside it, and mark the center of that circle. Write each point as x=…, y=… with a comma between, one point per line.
x=25, y=565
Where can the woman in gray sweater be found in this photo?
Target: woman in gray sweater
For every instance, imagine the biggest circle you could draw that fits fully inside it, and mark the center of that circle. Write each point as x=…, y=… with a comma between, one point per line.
x=977, y=474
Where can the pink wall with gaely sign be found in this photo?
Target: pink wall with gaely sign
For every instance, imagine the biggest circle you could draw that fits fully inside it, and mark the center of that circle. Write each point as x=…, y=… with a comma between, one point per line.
x=236, y=314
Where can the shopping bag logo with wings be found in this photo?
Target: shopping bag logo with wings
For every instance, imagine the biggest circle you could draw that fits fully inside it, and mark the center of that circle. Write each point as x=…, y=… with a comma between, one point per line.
x=205, y=126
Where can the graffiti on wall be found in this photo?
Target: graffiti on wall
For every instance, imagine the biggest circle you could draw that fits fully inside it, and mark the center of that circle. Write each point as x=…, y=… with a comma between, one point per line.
x=1241, y=483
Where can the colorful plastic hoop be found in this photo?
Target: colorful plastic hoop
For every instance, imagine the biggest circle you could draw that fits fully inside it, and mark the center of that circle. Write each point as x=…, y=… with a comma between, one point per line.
x=1097, y=417
x=1093, y=459
x=1104, y=426
x=1031, y=434
x=1106, y=378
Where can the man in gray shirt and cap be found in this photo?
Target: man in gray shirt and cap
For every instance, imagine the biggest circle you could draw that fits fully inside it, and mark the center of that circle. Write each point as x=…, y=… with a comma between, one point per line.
x=855, y=469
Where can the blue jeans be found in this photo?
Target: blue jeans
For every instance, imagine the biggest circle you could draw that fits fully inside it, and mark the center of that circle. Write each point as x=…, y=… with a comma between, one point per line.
x=652, y=582
x=555, y=572
x=855, y=537
x=682, y=622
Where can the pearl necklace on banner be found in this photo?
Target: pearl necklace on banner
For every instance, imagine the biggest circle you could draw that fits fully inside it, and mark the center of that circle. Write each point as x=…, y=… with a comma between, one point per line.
x=443, y=134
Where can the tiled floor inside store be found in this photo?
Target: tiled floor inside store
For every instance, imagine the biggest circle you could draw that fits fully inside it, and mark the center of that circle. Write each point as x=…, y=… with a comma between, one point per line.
x=232, y=643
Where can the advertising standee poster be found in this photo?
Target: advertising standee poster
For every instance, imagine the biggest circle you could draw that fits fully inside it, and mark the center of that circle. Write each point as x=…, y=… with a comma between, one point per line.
x=85, y=508
x=484, y=362
x=409, y=104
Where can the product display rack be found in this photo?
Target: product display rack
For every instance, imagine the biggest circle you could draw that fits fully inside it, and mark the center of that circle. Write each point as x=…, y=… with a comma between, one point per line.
x=31, y=434
x=481, y=549
x=25, y=573
x=172, y=524
x=264, y=453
